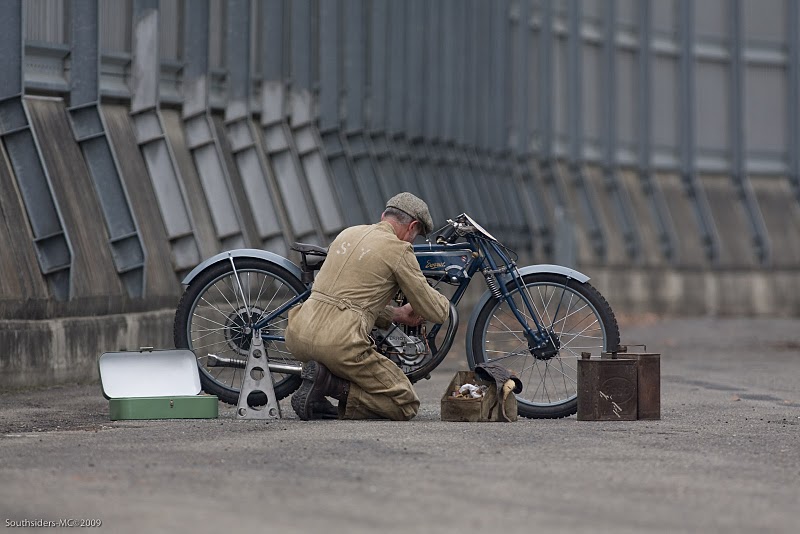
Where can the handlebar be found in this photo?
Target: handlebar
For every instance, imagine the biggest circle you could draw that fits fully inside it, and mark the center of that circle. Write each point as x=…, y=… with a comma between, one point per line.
x=448, y=235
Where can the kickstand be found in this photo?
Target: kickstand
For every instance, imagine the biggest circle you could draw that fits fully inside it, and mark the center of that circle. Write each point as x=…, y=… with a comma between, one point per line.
x=257, y=379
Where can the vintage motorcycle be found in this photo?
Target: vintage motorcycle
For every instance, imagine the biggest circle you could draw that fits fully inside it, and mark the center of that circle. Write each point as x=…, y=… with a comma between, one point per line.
x=535, y=320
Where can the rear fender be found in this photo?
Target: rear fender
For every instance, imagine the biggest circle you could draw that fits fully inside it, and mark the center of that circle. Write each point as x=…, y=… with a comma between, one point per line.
x=243, y=253
x=523, y=271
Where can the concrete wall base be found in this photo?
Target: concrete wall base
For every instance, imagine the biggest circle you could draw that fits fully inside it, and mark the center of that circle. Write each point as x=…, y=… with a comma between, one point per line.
x=65, y=350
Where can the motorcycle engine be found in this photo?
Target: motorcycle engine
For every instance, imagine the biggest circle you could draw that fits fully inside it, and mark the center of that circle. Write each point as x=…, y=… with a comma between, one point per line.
x=404, y=345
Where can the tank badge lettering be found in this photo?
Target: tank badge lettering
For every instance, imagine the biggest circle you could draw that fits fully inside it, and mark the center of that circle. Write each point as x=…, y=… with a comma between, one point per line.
x=434, y=265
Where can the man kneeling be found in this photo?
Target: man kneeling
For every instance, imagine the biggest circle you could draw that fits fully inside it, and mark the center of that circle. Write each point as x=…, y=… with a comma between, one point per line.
x=364, y=268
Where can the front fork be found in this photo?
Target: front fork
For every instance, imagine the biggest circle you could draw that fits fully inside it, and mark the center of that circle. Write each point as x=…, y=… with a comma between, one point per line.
x=544, y=344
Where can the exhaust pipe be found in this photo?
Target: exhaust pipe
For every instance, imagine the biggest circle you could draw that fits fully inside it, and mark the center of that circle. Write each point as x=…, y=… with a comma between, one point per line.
x=212, y=360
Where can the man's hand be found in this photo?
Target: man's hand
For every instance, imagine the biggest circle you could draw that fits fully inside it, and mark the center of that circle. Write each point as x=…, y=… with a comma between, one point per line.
x=405, y=315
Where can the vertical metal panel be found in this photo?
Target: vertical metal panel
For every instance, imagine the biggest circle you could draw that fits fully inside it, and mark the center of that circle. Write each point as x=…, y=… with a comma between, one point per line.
x=273, y=40
x=201, y=136
x=396, y=60
x=448, y=94
x=11, y=59
x=46, y=21
x=301, y=44
x=53, y=248
x=370, y=194
x=337, y=52
x=545, y=109
x=709, y=18
x=705, y=223
x=664, y=228
x=498, y=100
x=741, y=182
x=547, y=154
x=216, y=36
x=433, y=46
x=525, y=183
x=664, y=17
x=146, y=68
x=170, y=31
x=626, y=100
x=378, y=74
x=413, y=85
x=764, y=120
x=149, y=129
x=762, y=20
x=620, y=200
x=793, y=97
x=196, y=59
x=575, y=86
x=522, y=106
x=355, y=47
x=460, y=101
x=484, y=74
x=713, y=103
x=576, y=91
x=278, y=143
x=89, y=130
x=471, y=85
x=115, y=25
x=330, y=65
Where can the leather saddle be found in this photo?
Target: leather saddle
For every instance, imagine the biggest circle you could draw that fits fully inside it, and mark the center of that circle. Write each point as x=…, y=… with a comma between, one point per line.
x=311, y=259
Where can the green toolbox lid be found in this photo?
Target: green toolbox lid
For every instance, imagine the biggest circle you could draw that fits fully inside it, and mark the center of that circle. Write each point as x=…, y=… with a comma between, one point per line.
x=154, y=373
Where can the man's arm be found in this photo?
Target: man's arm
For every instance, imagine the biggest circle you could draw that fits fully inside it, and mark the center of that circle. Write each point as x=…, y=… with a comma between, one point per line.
x=424, y=300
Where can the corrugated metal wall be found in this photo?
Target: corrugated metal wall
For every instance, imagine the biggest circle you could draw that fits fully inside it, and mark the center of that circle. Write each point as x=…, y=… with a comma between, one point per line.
x=603, y=134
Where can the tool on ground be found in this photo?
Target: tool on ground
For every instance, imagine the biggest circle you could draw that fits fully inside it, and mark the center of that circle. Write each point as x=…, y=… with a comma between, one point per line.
x=257, y=381
x=495, y=404
x=154, y=384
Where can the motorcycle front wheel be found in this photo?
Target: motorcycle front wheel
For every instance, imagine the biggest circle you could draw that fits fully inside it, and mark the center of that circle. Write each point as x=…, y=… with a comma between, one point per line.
x=213, y=316
x=581, y=320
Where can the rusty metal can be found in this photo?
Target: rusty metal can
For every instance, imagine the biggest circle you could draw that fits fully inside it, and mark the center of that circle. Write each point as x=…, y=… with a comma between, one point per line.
x=649, y=377
x=607, y=389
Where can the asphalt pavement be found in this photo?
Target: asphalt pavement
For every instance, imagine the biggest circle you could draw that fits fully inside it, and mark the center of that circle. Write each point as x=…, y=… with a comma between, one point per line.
x=725, y=457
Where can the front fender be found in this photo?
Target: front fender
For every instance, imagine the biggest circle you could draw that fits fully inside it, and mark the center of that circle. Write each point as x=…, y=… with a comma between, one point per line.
x=523, y=271
x=243, y=253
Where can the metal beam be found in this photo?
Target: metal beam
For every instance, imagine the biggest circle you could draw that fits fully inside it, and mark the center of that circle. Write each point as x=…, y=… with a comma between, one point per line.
x=744, y=188
x=148, y=127
x=793, y=96
x=52, y=244
x=623, y=210
x=532, y=200
x=653, y=193
x=89, y=130
x=548, y=164
x=575, y=161
x=354, y=42
x=688, y=171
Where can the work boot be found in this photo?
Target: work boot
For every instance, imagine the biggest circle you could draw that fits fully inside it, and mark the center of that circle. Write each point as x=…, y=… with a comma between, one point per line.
x=324, y=409
x=318, y=383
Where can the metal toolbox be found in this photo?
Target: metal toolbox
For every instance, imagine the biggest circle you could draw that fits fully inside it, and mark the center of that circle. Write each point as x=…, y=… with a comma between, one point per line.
x=154, y=384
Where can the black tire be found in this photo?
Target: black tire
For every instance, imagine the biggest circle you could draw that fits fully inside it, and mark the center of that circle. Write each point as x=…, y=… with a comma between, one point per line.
x=210, y=315
x=584, y=323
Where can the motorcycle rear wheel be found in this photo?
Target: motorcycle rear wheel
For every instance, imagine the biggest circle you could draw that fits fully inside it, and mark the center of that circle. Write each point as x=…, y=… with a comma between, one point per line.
x=582, y=321
x=213, y=313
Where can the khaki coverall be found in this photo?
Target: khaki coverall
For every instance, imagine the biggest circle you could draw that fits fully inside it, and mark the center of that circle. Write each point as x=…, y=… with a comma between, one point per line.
x=362, y=272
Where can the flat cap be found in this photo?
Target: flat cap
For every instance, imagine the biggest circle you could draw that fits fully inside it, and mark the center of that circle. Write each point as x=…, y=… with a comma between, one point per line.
x=413, y=206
